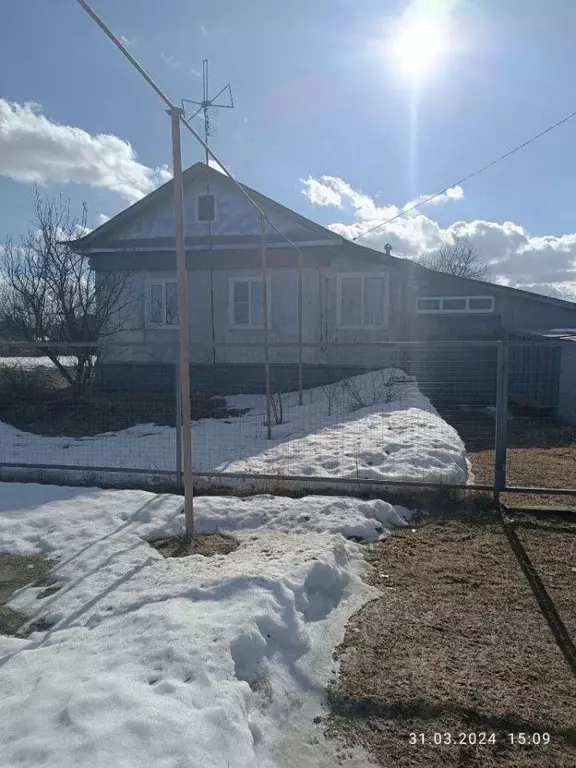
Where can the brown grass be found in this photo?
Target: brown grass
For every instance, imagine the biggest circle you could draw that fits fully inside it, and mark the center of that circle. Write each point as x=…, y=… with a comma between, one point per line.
x=541, y=453
x=72, y=414
x=199, y=544
x=458, y=643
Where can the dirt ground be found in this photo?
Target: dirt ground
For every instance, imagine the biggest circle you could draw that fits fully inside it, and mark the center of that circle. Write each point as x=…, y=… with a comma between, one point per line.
x=471, y=635
x=69, y=414
x=18, y=571
x=541, y=453
x=199, y=544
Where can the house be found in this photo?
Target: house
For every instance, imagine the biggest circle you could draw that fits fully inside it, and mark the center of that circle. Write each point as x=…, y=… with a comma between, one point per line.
x=351, y=295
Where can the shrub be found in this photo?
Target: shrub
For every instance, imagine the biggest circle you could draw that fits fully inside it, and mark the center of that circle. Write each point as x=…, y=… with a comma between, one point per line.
x=20, y=386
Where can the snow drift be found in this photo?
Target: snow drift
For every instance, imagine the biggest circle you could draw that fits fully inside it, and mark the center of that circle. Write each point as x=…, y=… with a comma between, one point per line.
x=181, y=663
x=375, y=426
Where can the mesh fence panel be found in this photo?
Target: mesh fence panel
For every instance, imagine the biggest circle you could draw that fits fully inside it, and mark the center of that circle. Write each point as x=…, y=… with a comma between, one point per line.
x=541, y=423
x=396, y=412
x=48, y=419
x=402, y=412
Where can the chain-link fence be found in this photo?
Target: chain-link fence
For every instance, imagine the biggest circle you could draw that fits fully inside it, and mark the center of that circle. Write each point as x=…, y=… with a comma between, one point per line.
x=411, y=413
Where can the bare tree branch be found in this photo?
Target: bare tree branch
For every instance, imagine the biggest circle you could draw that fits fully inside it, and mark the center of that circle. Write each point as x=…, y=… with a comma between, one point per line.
x=459, y=258
x=50, y=293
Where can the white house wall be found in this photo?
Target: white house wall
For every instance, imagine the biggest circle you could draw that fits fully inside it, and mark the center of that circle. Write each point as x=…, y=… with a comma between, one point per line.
x=320, y=296
x=235, y=216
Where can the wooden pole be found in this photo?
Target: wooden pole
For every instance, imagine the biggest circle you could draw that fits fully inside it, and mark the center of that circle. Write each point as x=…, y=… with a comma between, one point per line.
x=183, y=331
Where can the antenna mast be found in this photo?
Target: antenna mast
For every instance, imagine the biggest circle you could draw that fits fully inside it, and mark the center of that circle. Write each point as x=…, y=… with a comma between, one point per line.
x=208, y=105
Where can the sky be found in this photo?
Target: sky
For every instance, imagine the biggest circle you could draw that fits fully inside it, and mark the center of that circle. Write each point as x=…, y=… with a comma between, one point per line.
x=326, y=119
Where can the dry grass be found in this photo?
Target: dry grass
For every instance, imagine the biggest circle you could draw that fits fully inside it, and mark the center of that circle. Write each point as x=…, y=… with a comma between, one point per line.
x=541, y=453
x=64, y=412
x=199, y=544
x=458, y=643
x=17, y=571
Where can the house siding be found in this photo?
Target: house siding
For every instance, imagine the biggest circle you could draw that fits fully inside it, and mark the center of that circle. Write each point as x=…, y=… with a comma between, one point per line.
x=235, y=215
x=319, y=296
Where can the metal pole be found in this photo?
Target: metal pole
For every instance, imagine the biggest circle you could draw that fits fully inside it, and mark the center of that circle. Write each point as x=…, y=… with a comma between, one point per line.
x=183, y=334
x=178, y=424
x=300, y=265
x=501, y=437
x=265, y=324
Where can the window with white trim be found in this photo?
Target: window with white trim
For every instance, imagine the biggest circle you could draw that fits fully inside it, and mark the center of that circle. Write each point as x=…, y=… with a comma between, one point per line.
x=454, y=305
x=362, y=301
x=206, y=207
x=161, y=304
x=246, y=302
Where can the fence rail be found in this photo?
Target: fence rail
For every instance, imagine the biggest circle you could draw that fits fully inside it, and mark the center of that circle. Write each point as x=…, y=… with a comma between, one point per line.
x=492, y=416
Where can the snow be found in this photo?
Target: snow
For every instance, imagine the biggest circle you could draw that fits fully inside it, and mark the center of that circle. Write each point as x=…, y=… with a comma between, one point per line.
x=36, y=362
x=178, y=663
x=396, y=435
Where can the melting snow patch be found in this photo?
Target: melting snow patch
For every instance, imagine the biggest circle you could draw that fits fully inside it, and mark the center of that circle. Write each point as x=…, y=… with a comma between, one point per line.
x=194, y=662
x=375, y=426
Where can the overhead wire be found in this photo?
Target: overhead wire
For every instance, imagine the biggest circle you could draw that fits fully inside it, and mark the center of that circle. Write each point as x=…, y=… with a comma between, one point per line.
x=171, y=106
x=463, y=180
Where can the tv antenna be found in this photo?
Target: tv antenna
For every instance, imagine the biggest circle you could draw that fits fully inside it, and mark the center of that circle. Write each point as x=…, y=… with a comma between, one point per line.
x=209, y=105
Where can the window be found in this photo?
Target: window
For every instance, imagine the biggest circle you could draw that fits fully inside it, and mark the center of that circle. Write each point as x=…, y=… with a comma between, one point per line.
x=206, y=207
x=480, y=303
x=162, y=304
x=362, y=302
x=455, y=304
x=246, y=302
x=429, y=305
x=458, y=305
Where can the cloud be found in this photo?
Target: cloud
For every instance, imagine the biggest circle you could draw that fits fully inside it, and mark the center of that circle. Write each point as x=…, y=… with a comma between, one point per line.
x=203, y=30
x=546, y=264
x=35, y=149
x=175, y=64
x=102, y=218
x=217, y=167
x=128, y=42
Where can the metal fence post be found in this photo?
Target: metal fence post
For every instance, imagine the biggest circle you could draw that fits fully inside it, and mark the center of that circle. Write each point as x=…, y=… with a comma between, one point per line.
x=501, y=437
x=178, y=425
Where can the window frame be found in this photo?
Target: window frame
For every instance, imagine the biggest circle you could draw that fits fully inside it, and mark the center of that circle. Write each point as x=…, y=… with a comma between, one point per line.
x=163, y=281
x=363, y=275
x=442, y=311
x=249, y=279
x=206, y=194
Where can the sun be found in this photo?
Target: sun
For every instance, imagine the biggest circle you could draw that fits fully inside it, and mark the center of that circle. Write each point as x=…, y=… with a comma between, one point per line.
x=421, y=41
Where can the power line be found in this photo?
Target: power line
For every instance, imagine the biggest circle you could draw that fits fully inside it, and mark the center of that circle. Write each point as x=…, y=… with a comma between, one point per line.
x=467, y=178
x=183, y=120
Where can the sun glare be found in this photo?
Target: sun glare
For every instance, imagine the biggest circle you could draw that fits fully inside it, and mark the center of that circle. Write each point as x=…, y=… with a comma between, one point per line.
x=420, y=43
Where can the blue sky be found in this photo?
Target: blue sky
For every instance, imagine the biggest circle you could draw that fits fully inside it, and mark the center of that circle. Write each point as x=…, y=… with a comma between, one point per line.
x=316, y=95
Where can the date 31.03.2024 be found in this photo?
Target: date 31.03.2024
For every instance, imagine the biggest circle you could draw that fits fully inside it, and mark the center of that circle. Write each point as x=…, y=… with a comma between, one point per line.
x=480, y=738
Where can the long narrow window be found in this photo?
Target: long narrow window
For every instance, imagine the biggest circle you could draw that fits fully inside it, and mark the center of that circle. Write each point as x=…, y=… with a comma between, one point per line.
x=161, y=304
x=454, y=305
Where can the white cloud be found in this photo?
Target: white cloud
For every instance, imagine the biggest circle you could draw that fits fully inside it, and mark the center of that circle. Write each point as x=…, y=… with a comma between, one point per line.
x=546, y=264
x=217, y=167
x=203, y=30
x=33, y=148
x=128, y=42
x=102, y=218
x=175, y=64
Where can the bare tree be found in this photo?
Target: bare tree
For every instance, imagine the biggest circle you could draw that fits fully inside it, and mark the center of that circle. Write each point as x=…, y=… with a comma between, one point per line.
x=459, y=258
x=565, y=292
x=49, y=293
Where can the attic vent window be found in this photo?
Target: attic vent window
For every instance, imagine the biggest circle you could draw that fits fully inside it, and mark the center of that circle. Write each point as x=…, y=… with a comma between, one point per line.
x=206, y=207
x=454, y=305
